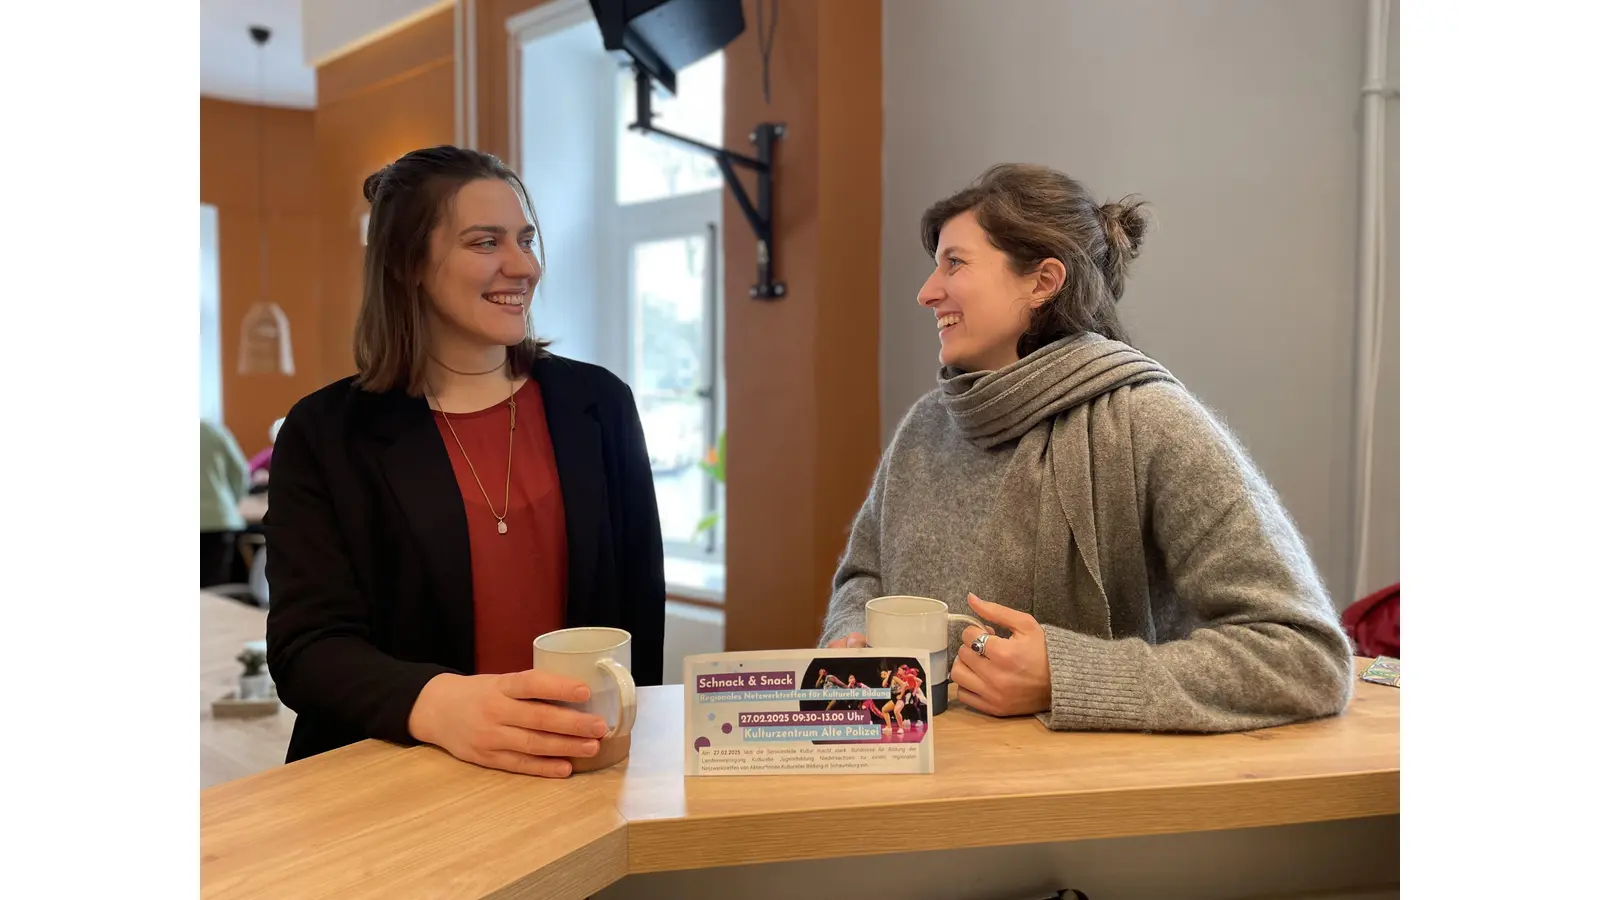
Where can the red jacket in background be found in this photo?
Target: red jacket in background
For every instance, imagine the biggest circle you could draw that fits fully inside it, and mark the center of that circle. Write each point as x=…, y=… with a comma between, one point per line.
x=1373, y=623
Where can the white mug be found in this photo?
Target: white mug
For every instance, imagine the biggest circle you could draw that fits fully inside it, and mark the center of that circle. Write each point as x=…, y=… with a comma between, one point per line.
x=598, y=657
x=920, y=623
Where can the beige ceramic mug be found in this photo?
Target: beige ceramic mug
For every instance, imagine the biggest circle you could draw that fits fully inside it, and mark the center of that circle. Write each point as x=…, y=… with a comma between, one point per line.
x=598, y=657
x=919, y=623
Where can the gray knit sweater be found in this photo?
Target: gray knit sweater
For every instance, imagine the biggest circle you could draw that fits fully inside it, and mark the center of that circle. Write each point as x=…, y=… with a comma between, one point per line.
x=1230, y=627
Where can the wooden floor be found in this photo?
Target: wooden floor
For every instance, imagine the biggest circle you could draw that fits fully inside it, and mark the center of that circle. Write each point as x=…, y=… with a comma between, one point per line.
x=233, y=748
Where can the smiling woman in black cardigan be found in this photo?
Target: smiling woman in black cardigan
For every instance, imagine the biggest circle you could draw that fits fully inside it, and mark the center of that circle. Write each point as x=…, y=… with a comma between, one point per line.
x=464, y=493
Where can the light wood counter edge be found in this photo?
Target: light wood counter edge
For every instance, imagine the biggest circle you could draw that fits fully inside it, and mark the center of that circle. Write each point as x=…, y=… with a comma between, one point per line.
x=649, y=845
x=645, y=845
x=580, y=874
x=953, y=824
x=590, y=864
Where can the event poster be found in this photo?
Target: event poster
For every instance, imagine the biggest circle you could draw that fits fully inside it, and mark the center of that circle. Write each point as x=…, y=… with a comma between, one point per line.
x=807, y=712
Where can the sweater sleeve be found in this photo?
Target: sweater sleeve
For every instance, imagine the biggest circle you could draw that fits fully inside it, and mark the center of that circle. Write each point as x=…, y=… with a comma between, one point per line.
x=1266, y=647
x=238, y=468
x=859, y=577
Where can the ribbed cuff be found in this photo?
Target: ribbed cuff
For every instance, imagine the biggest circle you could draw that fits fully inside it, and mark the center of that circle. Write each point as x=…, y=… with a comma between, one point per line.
x=1095, y=685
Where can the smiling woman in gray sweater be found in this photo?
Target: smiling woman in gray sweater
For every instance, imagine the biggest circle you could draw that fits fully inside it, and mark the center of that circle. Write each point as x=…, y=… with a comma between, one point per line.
x=1141, y=572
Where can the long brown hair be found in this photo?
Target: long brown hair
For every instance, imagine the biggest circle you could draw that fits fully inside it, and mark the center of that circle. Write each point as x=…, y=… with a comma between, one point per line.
x=1034, y=213
x=408, y=197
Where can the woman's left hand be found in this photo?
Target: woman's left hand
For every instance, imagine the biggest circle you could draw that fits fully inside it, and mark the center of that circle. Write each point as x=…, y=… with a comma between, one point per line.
x=1012, y=677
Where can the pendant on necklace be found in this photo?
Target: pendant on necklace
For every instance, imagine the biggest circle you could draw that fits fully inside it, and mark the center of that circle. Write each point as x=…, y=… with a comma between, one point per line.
x=502, y=526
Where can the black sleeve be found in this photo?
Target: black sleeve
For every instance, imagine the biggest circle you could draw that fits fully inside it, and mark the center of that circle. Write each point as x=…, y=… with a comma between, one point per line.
x=643, y=575
x=318, y=646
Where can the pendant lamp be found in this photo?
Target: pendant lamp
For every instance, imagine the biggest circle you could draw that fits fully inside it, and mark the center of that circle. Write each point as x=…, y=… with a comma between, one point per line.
x=264, y=347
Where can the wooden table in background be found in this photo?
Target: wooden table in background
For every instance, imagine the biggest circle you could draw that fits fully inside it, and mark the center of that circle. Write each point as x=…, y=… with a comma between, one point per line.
x=1012, y=808
x=253, y=507
x=233, y=748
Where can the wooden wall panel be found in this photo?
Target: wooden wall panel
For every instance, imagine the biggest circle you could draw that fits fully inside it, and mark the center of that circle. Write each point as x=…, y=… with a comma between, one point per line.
x=775, y=585
x=375, y=104
x=232, y=138
x=803, y=371
x=845, y=357
x=397, y=55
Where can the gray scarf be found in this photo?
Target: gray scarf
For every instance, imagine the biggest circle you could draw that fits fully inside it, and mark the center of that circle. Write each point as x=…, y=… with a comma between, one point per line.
x=1065, y=537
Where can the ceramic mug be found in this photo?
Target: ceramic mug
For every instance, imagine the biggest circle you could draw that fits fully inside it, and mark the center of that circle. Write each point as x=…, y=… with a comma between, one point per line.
x=598, y=657
x=920, y=623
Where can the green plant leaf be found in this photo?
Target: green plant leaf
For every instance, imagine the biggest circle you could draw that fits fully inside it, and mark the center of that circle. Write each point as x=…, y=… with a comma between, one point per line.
x=706, y=524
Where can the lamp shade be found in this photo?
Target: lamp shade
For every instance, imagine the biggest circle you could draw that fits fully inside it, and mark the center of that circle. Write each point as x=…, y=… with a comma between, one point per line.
x=264, y=347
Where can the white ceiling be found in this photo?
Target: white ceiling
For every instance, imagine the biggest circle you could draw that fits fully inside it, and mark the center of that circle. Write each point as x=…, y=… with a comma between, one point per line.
x=233, y=68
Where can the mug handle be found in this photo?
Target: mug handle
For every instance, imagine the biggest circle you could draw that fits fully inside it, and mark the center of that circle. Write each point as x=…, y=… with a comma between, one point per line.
x=627, y=697
x=969, y=620
x=954, y=689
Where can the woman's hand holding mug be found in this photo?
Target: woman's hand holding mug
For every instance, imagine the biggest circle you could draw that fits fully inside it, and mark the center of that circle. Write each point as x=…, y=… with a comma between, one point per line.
x=504, y=722
x=1012, y=676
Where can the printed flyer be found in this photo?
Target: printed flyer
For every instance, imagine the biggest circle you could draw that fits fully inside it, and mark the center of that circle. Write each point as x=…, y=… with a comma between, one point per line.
x=808, y=712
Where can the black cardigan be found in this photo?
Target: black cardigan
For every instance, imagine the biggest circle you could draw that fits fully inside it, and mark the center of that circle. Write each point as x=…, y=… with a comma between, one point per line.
x=369, y=563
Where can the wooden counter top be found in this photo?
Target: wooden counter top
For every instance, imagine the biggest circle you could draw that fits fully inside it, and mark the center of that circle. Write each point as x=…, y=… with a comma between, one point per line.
x=374, y=820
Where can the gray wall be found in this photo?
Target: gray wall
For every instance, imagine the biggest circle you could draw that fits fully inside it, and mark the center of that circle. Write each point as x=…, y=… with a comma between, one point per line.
x=1239, y=121
x=1383, y=535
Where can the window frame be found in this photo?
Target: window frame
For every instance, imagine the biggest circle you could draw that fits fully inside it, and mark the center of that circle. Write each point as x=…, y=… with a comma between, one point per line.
x=694, y=569
x=666, y=218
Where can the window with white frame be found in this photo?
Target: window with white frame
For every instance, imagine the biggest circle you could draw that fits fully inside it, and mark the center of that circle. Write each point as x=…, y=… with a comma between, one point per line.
x=210, y=318
x=633, y=280
x=668, y=236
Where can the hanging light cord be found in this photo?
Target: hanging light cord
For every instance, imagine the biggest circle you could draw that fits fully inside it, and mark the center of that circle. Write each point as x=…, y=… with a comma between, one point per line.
x=261, y=37
x=766, y=46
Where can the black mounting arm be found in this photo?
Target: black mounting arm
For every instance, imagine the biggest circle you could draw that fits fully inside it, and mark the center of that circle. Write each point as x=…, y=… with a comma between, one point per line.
x=759, y=213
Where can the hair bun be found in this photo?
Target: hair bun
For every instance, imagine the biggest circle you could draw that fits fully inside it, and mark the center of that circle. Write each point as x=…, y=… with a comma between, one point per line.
x=1125, y=222
x=370, y=187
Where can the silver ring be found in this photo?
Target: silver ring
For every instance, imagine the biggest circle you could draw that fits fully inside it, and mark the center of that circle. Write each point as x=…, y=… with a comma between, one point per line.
x=978, y=642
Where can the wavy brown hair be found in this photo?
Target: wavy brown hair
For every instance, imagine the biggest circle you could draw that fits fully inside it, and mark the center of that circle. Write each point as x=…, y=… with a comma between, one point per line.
x=408, y=197
x=1034, y=213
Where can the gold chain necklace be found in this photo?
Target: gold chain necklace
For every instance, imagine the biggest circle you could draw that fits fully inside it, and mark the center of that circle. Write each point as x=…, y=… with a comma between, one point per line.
x=511, y=398
x=443, y=365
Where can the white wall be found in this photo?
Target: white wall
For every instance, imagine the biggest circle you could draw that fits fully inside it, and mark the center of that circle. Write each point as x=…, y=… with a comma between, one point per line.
x=1239, y=121
x=232, y=67
x=566, y=164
